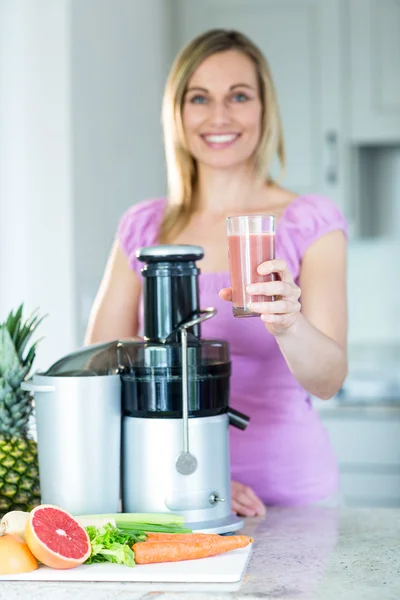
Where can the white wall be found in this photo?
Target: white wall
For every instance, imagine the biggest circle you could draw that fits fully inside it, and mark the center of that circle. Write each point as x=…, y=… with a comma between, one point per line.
x=374, y=286
x=120, y=61
x=373, y=292
x=81, y=83
x=36, y=242
x=378, y=175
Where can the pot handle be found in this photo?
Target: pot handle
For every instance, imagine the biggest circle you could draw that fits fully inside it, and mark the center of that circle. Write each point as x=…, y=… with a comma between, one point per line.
x=29, y=386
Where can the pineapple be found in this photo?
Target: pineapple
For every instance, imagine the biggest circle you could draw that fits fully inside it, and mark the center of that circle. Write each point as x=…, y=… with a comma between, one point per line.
x=19, y=470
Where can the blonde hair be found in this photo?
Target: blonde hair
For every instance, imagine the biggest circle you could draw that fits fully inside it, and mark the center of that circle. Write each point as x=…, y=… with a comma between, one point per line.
x=181, y=167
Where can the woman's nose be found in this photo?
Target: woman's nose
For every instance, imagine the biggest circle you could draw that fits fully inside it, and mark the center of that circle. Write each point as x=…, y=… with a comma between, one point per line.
x=219, y=113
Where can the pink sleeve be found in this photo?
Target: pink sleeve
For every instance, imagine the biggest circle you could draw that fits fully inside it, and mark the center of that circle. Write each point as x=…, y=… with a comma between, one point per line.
x=312, y=218
x=138, y=227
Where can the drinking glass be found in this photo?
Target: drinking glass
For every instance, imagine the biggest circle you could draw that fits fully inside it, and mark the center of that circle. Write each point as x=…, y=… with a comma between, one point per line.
x=251, y=241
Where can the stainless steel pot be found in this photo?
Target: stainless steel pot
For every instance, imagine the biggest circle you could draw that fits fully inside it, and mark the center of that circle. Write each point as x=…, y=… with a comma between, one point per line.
x=78, y=421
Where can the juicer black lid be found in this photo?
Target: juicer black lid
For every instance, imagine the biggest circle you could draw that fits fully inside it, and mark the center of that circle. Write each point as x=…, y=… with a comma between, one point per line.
x=170, y=252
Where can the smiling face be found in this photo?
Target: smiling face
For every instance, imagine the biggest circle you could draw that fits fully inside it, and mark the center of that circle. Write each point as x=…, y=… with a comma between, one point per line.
x=222, y=111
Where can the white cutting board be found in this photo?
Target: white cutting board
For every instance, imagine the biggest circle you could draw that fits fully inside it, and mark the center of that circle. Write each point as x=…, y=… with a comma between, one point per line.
x=223, y=568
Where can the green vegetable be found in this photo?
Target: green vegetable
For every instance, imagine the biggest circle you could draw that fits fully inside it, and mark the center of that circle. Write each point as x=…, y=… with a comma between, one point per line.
x=110, y=544
x=133, y=518
x=143, y=527
x=142, y=522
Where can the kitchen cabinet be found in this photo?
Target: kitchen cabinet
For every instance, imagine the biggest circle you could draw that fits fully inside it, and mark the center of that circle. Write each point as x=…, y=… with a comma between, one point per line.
x=302, y=40
x=367, y=445
x=373, y=30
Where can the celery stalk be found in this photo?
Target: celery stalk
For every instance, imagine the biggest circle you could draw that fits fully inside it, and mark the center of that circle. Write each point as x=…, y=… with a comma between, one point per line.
x=156, y=518
x=162, y=522
x=152, y=527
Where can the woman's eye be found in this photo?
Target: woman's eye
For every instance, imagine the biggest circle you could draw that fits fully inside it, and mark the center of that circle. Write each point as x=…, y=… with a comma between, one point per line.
x=198, y=99
x=240, y=97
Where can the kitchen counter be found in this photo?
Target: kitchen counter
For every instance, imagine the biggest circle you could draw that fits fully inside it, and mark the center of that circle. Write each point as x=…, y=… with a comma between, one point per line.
x=312, y=553
x=336, y=409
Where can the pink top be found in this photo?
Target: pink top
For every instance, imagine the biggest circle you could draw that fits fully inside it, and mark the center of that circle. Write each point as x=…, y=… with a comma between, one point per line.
x=284, y=454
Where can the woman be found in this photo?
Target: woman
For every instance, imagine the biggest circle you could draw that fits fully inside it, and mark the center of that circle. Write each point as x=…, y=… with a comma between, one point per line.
x=222, y=130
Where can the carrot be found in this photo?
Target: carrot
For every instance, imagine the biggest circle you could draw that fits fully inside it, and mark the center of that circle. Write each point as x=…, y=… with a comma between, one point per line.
x=172, y=551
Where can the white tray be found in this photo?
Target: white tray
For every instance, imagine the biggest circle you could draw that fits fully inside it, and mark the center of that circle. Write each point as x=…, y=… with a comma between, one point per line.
x=223, y=568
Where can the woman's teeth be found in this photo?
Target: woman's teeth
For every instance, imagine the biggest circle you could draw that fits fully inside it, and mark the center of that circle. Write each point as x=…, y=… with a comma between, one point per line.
x=221, y=139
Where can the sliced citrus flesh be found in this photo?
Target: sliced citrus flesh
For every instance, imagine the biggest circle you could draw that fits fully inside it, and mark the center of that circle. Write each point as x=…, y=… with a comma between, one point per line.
x=15, y=556
x=56, y=538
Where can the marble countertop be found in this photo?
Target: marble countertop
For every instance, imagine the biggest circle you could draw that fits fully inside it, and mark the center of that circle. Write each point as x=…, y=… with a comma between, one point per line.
x=311, y=553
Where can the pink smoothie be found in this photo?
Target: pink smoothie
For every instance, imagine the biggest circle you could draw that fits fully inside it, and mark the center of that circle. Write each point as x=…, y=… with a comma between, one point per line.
x=246, y=253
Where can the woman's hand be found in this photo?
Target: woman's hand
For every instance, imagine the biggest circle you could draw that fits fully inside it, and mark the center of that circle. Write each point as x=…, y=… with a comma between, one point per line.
x=245, y=502
x=281, y=314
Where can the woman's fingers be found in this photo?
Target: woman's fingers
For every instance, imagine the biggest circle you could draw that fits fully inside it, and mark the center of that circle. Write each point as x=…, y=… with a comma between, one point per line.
x=280, y=321
x=245, y=502
x=226, y=294
x=276, y=266
x=274, y=288
x=278, y=307
x=241, y=510
x=278, y=315
x=281, y=314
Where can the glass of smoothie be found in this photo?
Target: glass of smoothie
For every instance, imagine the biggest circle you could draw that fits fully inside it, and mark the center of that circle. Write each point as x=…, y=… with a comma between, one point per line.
x=251, y=241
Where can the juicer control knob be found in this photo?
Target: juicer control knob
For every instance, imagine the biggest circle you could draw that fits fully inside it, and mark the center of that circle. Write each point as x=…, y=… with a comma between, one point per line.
x=215, y=497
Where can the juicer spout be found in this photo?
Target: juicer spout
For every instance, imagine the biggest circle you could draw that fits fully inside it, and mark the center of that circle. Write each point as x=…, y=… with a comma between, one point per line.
x=238, y=419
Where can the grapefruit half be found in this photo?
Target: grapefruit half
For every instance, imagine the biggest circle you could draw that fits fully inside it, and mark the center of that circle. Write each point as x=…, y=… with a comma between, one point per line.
x=55, y=538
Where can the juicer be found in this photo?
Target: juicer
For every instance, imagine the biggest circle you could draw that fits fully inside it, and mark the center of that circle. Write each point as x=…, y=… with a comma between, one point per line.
x=143, y=425
x=175, y=400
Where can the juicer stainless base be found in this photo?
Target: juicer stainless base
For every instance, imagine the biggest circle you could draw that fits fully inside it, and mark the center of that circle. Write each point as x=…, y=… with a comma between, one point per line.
x=227, y=524
x=152, y=483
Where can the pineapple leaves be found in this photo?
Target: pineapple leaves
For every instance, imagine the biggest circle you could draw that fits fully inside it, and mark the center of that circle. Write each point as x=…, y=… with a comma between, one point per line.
x=5, y=389
x=25, y=335
x=15, y=335
x=30, y=357
x=9, y=361
x=14, y=320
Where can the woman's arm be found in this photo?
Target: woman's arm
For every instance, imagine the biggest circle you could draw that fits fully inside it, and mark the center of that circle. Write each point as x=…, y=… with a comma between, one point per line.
x=315, y=347
x=115, y=310
x=313, y=341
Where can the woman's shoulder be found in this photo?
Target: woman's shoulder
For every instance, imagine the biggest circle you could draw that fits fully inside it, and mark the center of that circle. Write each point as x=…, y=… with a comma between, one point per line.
x=305, y=220
x=313, y=214
x=139, y=225
x=147, y=209
x=142, y=215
